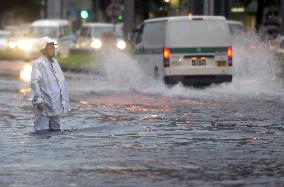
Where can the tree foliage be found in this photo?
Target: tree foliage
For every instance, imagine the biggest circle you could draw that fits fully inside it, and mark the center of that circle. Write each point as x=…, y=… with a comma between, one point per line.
x=25, y=9
x=156, y=7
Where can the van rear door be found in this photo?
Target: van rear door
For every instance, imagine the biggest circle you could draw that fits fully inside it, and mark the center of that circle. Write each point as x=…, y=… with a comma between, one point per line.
x=198, y=43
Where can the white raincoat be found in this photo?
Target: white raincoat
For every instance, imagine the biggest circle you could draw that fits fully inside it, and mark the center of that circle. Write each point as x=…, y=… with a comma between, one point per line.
x=48, y=86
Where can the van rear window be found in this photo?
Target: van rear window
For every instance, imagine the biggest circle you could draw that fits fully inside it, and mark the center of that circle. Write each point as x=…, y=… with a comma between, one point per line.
x=198, y=33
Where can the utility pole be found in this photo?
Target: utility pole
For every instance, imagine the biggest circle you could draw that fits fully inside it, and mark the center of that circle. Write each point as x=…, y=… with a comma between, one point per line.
x=114, y=10
x=44, y=9
x=129, y=20
x=61, y=9
x=97, y=14
x=282, y=15
x=208, y=7
x=53, y=9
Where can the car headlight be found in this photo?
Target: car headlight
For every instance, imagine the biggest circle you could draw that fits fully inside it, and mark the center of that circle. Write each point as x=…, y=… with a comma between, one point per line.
x=121, y=44
x=25, y=44
x=12, y=44
x=97, y=44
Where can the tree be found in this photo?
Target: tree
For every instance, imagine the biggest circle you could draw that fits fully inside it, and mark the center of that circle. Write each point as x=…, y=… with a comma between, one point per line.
x=103, y=6
x=27, y=10
x=259, y=13
x=157, y=7
x=262, y=4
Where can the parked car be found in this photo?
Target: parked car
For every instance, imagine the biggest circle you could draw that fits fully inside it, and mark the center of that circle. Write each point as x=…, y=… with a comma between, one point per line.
x=194, y=50
x=98, y=36
x=4, y=38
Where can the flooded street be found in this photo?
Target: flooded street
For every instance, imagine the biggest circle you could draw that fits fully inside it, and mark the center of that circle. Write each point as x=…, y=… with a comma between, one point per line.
x=127, y=130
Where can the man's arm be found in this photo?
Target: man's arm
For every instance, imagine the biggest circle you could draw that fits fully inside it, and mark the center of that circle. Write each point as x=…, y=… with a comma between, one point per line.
x=37, y=98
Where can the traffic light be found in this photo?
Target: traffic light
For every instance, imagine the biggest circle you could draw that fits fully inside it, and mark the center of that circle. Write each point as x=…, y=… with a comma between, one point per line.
x=119, y=18
x=84, y=14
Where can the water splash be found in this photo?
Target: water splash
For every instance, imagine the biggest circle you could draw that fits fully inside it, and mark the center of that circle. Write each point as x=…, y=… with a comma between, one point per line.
x=255, y=72
x=121, y=71
x=255, y=66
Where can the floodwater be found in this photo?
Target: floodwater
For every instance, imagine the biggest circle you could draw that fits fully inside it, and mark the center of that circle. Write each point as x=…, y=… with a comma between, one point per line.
x=126, y=129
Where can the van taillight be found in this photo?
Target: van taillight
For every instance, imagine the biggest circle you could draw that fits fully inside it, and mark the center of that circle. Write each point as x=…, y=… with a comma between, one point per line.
x=230, y=56
x=166, y=54
x=253, y=46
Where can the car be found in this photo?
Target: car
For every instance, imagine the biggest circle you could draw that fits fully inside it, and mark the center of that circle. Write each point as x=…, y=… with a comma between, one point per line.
x=4, y=38
x=242, y=39
x=93, y=37
x=57, y=29
x=269, y=32
x=270, y=28
x=236, y=27
x=193, y=50
x=277, y=46
x=17, y=33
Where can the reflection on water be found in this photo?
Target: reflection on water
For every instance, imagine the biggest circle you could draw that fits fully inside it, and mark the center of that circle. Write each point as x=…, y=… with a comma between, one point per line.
x=134, y=139
x=25, y=73
x=138, y=139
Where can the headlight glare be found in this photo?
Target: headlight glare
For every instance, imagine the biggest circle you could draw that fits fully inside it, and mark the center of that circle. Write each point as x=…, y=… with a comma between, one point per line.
x=25, y=45
x=97, y=44
x=12, y=44
x=121, y=44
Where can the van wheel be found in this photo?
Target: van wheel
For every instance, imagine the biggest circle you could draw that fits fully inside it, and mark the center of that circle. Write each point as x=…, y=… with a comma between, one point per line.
x=156, y=73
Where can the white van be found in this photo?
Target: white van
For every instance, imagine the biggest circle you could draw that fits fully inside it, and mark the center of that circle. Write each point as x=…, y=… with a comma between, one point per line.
x=56, y=29
x=195, y=50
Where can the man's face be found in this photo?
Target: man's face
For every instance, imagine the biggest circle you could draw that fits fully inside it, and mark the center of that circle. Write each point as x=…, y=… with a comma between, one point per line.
x=50, y=50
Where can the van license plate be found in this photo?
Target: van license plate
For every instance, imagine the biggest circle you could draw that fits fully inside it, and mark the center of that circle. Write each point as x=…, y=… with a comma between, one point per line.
x=198, y=62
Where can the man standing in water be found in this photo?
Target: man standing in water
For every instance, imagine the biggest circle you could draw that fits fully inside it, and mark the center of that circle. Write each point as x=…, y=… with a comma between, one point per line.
x=49, y=91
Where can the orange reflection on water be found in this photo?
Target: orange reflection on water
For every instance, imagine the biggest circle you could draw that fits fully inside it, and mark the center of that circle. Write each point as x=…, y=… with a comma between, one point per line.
x=142, y=103
x=84, y=102
x=25, y=91
x=132, y=103
x=25, y=73
x=151, y=107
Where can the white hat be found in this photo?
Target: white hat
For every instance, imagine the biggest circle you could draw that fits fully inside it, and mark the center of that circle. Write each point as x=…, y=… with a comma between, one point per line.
x=42, y=42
